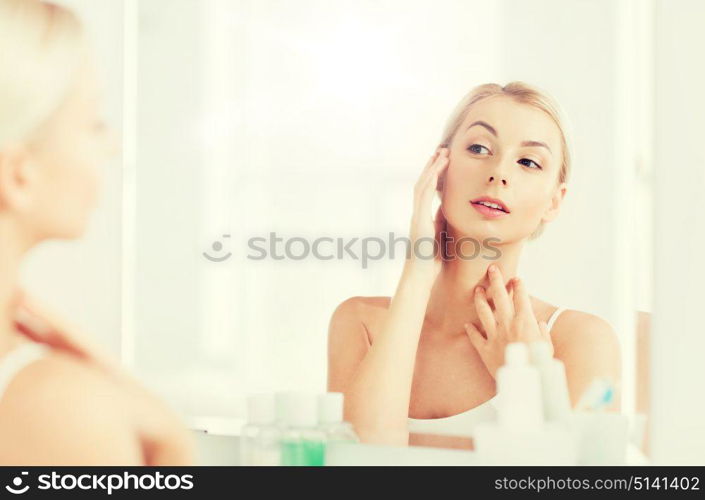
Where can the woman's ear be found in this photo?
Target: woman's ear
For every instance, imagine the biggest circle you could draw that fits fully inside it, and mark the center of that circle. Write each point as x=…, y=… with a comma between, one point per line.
x=556, y=202
x=15, y=178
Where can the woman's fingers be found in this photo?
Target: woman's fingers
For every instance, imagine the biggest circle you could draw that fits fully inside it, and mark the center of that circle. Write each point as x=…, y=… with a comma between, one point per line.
x=440, y=167
x=500, y=297
x=427, y=187
x=437, y=165
x=423, y=177
x=522, y=303
x=476, y=338
x=35, y=321
x=524, y=310
x=484, y=312
x=429, y=177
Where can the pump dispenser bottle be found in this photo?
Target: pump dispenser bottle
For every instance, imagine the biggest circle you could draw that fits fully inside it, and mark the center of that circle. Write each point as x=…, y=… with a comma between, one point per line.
x=519, y=388
x=554, y=385
x=521, y=436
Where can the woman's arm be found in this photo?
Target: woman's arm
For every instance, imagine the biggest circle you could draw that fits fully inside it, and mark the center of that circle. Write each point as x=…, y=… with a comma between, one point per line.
x=589, y=349
x=377, y=384
x=164, y=436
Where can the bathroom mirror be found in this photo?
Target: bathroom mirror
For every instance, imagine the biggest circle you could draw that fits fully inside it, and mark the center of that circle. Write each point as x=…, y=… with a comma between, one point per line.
x=252, y=129
x=264, y=126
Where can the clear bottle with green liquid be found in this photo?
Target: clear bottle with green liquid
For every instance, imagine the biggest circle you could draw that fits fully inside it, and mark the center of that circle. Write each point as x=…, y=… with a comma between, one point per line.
x=302, y=444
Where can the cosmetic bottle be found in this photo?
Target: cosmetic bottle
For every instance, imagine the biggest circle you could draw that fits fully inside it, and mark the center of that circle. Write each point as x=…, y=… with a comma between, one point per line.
x=521, y=436
x=520, y=404
x=554, y=385
x=603, y=435
x=301, y=443
x=259, y=438
x=330, y=419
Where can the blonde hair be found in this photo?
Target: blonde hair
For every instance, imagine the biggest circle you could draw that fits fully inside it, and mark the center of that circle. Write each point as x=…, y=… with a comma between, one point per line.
x=522, y=93
x=41, y=48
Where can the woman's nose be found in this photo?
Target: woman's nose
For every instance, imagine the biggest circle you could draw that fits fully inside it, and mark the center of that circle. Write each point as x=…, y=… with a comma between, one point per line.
x=498, y=179
x=498, y=174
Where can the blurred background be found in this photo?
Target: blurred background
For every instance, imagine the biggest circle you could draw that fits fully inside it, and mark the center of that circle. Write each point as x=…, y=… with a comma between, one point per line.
x=311, y=119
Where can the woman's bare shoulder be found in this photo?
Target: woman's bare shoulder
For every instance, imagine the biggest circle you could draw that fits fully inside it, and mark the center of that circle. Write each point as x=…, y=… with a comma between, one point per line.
x=571, y=320
x=366, y=309
x=60, y=410
x=589, y=347
x=369, y=305
x=581, y=333
x=58, y=371
x=359, y=311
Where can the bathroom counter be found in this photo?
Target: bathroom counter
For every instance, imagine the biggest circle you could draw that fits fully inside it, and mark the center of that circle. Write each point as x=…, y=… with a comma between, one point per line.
x=366, y=454
x=223, y=449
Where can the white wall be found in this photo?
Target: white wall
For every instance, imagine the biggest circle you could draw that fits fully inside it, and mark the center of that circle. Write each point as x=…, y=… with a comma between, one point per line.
x=679, y=170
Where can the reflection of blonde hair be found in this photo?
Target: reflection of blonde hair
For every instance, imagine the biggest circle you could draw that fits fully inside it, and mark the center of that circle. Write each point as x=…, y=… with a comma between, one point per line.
x=522, y=93
x=40, y=51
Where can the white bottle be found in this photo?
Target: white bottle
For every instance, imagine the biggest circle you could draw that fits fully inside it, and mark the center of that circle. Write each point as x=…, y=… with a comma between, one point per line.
x=301, y=443
x=520, y=405
x=280, y=405
x=554, y=386
x=330, y=419
x=259, y=438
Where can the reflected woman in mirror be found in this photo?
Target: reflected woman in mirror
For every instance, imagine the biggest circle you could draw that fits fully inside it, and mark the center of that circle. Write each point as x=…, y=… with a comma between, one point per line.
x=425, y=360
x=63, y=401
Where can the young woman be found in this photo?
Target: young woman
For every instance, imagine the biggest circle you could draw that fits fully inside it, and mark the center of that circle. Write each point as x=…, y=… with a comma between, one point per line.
x=426, y=359
x=62, y=400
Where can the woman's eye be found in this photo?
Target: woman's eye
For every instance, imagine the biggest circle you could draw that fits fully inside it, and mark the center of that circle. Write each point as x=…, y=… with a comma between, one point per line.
x=477, y=149
x=526, y=162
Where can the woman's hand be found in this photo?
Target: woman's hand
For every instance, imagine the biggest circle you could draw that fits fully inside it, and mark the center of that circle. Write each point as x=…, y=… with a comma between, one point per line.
x=512, y=319
x=425, y=257
x=36, y=322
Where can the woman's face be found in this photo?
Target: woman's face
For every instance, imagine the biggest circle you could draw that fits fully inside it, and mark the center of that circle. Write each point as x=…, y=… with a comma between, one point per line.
x=65, y=159
x=510, y=152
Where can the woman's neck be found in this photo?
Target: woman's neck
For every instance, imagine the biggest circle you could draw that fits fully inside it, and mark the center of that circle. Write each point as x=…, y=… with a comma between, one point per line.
x=10, y=256
x=451, y=303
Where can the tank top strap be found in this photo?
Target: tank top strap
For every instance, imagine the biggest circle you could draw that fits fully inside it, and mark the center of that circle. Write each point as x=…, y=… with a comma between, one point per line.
x=15, y=360
x=554, y=316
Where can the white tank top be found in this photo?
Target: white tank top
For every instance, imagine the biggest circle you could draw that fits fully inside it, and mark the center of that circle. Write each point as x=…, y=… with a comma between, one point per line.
x=13, y=362
x=463, y=424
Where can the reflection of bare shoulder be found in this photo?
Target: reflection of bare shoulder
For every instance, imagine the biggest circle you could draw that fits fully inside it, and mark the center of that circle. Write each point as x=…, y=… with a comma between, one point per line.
x=370, y=311
x=60, y=411
x=573, y=326
x=589, y=347
x=350, y=335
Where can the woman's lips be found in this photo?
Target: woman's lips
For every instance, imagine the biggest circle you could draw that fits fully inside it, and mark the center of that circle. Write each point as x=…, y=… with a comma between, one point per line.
x=488, y=212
